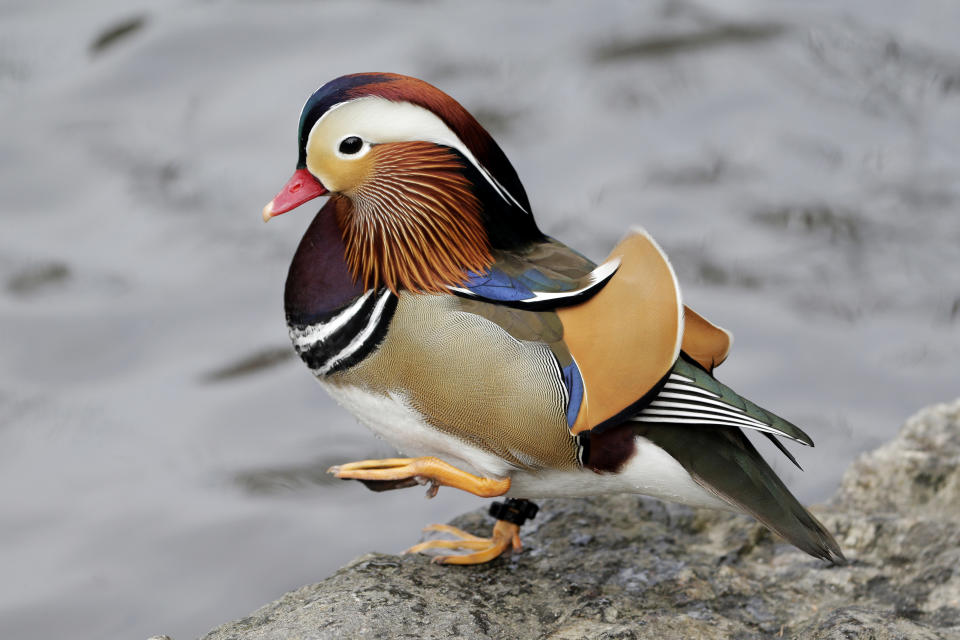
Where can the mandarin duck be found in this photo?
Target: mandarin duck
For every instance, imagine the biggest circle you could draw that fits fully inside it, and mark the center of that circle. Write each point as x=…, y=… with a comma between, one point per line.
x=427, y=302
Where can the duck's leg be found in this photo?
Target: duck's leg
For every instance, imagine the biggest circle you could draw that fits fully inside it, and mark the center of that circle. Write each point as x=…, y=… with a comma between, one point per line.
x=396, y=473
x=433, y=470
x=510, y=516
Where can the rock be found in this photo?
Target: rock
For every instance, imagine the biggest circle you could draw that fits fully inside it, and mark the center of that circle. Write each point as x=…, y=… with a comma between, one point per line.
x=631, y=567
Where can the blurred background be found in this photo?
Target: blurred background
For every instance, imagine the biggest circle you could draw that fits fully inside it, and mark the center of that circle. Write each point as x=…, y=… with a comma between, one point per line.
x=162, y=455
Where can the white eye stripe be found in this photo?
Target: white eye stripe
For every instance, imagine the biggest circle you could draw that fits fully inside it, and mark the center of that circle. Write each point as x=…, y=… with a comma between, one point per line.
x=378, y=120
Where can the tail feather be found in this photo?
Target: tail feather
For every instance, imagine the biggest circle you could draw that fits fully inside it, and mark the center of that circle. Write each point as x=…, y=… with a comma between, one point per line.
x=725, y=463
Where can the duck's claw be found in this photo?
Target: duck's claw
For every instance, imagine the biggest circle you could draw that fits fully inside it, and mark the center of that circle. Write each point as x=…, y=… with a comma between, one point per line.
x=506, y=535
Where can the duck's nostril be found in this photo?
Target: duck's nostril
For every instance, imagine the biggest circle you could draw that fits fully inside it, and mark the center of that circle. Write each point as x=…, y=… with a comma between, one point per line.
x=290, y=196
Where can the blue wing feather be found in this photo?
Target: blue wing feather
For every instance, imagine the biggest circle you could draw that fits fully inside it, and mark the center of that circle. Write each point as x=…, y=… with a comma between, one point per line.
x=540, y=281
x=498, y=286
x=542, y=292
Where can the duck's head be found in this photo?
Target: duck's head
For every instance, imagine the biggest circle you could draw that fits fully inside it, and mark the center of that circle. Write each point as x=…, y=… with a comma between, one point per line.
x=421, y=191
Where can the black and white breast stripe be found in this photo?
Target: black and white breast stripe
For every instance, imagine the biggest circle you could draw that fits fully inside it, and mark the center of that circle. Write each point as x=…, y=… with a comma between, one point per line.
x=347, y=337
x=683, y=402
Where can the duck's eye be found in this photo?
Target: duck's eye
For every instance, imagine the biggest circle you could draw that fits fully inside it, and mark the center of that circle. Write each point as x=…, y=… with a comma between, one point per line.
x=351, y=145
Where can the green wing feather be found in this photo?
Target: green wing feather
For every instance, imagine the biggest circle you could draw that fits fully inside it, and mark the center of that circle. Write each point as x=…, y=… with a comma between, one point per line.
x=725, y=463
x=545, y=266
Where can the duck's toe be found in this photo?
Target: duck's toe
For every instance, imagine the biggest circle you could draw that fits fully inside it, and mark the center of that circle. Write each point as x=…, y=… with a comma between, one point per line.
x=505, y=536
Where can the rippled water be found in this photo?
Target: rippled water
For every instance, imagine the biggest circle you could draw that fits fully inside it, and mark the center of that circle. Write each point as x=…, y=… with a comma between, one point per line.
x=162, y=456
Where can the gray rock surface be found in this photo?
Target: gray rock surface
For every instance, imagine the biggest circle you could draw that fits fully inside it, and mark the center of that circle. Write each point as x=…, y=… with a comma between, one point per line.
x=629, y=567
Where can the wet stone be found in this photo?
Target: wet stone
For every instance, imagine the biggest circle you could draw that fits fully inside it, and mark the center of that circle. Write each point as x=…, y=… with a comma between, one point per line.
x=630, y=567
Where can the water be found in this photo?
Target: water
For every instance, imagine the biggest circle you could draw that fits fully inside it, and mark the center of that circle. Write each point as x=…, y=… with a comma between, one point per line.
x=162, y=457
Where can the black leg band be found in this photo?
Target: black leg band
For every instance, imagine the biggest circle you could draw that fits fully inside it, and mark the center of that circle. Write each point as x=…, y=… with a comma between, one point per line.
x=514, y=510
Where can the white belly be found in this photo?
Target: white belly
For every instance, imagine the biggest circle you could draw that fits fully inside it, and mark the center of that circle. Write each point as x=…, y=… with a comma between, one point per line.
x=651, y=472
x=394, y=420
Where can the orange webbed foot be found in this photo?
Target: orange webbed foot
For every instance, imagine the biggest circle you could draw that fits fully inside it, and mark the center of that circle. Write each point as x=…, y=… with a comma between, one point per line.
x=505, y=536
